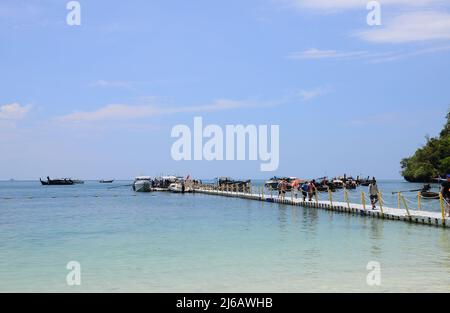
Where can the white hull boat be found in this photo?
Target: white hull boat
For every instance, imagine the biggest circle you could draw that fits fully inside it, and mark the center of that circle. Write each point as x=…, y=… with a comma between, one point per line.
x=178, y=188
x=142, y=184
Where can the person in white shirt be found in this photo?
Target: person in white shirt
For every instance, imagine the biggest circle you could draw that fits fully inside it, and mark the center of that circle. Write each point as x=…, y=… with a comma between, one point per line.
x=373, y=192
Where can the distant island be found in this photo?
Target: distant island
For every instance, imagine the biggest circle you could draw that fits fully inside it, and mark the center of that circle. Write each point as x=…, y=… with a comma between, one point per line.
x=430, y=161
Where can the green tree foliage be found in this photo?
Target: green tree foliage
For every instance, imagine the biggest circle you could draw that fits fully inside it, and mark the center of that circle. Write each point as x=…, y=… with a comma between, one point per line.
x=431, y=160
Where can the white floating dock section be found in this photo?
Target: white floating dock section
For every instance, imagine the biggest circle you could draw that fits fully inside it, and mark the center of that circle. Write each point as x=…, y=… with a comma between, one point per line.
x=410, y=216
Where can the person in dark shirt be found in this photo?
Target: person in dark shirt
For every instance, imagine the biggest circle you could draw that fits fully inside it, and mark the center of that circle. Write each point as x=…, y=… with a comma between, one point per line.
x=445, y=190
x=305, y=188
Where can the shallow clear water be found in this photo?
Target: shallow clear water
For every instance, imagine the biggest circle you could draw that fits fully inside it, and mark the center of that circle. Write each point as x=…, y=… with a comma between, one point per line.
x=163, y=242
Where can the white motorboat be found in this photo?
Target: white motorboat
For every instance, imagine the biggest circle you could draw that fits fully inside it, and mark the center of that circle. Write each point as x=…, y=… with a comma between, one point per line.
x=180, y=187
x=142, y=184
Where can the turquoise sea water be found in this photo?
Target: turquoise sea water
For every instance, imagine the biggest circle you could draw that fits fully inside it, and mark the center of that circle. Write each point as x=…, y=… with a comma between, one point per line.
x=163, y=242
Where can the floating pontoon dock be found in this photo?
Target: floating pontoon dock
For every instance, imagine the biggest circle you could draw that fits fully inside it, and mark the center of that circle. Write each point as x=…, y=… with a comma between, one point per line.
x=399, y=214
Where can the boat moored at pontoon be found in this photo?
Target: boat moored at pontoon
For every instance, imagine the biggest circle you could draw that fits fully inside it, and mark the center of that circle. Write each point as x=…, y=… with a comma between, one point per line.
x=142, y=184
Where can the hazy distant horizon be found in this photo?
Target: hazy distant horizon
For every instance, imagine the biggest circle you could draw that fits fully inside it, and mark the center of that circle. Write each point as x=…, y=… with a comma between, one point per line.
x=203, y=179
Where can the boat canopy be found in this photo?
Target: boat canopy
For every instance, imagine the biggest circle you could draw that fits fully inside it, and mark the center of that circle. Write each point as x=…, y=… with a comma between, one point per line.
x=169, y=177
x=143, y=178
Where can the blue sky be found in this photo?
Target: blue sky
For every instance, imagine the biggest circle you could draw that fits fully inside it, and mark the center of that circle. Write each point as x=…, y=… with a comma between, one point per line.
x=99, y=100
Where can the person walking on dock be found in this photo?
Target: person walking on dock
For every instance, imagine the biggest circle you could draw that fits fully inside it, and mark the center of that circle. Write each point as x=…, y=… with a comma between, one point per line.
x=305, y=188
x=295, y=187
x=311, y=190
x=283, y=188
x=445, y=190
x=373, y=192
x=279, y=187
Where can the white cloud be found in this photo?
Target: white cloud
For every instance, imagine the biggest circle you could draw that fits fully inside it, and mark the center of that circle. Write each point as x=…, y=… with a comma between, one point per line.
x=123, y=83
x=369, y=57
x=128, y=112
x=325, y=54
x=306, y=95
x=124, y=112
x=316, y=54
x=411, y=27
x=13, y=111
x=112, y=112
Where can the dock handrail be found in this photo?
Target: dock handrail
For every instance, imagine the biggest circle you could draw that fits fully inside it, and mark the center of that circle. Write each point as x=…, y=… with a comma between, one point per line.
x=344, y=198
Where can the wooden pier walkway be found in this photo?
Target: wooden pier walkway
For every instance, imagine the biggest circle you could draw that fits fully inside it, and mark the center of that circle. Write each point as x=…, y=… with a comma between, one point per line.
x=406, y=215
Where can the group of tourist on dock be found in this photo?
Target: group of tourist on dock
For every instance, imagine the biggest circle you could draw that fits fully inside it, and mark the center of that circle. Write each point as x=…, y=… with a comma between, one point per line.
x=308, y=190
